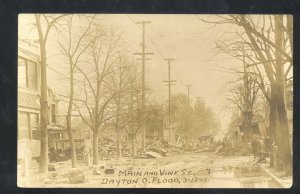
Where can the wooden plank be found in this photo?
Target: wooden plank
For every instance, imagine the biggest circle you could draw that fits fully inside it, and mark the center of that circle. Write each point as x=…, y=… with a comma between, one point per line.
x=154, y=155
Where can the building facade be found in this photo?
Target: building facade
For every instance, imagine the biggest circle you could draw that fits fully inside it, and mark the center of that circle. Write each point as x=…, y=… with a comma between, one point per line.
x=28, y=100
x=29, y=93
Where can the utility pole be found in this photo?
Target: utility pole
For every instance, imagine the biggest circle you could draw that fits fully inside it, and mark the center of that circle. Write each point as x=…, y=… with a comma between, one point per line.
x=143, y=55
x=198, y=101
x=188, y=100
x=170, y=84
x=154, y=115
x=153, y=129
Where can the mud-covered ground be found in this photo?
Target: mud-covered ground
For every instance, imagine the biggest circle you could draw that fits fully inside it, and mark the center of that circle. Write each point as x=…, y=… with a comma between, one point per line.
x=194, y=170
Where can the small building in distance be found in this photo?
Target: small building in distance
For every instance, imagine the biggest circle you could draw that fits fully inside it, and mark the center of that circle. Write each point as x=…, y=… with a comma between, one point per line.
x=236, y=130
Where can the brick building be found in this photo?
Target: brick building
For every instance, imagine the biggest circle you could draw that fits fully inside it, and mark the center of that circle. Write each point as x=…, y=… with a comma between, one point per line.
x=29, y=101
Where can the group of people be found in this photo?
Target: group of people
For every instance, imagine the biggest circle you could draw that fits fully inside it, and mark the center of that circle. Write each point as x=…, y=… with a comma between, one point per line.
x=261, y=147
x=228, y=146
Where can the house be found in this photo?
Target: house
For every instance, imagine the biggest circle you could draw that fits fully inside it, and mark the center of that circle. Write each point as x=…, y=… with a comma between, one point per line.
x=58, y=133
x=28, y=101
x=237, y=129
x=29, y=93
x=29, y=84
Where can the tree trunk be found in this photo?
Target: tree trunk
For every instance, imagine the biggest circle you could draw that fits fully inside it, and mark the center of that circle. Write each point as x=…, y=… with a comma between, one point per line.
x=69, y=116
x=133, y=148
x=279, y=129
x=247, y=112
x=118, y=144
x=289, y=27
x=284, y=158
x=132, y=135
x=272, y=118
x=117, y=126
x=72, y=144
x=43, y=167
x=95, y=147
x=248, y=126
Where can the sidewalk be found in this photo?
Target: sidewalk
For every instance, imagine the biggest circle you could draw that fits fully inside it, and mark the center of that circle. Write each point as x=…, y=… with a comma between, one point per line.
x=278, y=177
x=36, y=179
x=222, y=173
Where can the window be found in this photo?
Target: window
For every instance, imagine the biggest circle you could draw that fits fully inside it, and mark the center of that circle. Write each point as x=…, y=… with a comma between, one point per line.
x=53, y=113
x=28, y=126
x=23, y=126
x=22, y=82
x=27, y=73
x=34, y=124
x=31, y=75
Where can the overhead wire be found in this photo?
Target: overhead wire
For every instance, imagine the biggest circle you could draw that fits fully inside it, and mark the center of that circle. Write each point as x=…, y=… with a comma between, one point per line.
x=157, y=49
x=154, y=46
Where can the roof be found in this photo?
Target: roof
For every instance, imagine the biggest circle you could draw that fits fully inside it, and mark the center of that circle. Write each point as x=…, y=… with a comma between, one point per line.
x=66, y=140
x=57, y=128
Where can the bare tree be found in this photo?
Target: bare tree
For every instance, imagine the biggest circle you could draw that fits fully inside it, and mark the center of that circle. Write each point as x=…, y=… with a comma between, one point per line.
x=73, y=48
x=126, y=106
x=44, y=23
x=193, y=121
x=134, y=108
x=243, y=96
x=118, y=83
x=271, y=42
x=95, y=98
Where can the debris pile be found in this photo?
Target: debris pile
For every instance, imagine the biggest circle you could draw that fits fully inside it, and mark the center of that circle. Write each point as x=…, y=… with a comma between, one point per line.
x=155, y=148
x=107, y=149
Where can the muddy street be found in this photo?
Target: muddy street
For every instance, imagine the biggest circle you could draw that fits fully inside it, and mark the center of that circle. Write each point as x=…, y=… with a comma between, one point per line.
x=155, y=101
x=190, y=170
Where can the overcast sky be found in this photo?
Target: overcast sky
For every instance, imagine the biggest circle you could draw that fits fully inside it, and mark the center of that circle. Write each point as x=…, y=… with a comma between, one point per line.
x=192, y=43
x=183, y=37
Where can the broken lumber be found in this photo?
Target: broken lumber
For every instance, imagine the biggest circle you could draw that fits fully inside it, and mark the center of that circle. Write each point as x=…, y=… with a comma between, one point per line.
x=153, y=155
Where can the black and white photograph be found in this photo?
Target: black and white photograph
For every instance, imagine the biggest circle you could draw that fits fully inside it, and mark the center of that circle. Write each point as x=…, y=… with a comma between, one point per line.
x=155, y=101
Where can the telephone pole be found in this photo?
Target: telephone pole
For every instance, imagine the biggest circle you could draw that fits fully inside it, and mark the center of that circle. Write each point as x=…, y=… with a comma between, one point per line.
x=170, y=83
x=143, y=58
x=154, y=116
x=188, y=95
x=198, y=101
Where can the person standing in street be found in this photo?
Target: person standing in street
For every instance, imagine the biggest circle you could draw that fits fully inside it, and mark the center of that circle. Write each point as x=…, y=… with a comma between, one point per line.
x=254, y=146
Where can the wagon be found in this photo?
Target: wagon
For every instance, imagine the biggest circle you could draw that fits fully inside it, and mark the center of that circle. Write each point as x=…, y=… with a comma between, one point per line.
x=63, y=149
